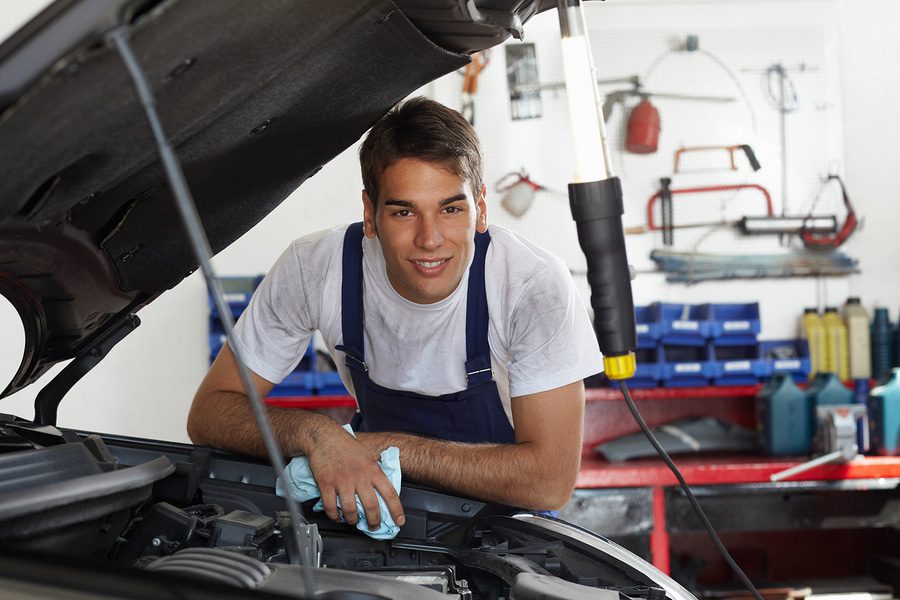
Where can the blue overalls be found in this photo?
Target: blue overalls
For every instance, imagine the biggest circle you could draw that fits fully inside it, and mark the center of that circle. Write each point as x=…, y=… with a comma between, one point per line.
x=474, y=414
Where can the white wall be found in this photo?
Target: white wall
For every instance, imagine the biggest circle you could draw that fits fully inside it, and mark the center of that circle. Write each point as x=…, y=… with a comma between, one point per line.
x=145, y=386
x=871, y=92
x=635, y=38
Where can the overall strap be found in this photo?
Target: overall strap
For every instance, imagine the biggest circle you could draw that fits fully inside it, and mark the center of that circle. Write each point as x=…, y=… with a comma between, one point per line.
x=478, y=351
x=352, y=297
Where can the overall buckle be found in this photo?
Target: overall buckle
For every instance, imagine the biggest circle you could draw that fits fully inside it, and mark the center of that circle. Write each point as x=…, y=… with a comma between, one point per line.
x=353, y=360
x=473, y=373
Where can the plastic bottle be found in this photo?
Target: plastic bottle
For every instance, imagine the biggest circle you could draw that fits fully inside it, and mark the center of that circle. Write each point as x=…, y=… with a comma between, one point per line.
x=884, y=416
x=827, y=390
x=784, y=417
x=837, y=357
x=813, y=330
x=881, y=333
x=858, y=339
x=896, y=360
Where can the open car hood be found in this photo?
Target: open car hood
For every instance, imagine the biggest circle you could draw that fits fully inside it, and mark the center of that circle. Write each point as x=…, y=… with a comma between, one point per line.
x=254, y=96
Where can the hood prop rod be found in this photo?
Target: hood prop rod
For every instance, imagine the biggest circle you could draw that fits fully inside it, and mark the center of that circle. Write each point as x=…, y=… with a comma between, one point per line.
x=202, y=251
x=48, y=399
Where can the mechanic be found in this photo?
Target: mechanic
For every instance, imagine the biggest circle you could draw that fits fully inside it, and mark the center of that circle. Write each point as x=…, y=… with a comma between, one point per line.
x=465, y=346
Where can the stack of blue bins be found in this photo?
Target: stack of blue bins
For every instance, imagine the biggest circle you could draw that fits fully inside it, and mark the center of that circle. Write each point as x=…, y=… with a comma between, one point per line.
x=684, y=349
x=790, y=357
x=307, y=379
x=649, y=369
x=686, y=345
x=734, y=347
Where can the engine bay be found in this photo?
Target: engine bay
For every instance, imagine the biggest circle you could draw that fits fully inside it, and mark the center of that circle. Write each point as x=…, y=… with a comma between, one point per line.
x=181, y=511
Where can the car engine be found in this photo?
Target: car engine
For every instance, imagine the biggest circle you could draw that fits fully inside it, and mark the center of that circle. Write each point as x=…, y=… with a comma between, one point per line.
x=180, y=512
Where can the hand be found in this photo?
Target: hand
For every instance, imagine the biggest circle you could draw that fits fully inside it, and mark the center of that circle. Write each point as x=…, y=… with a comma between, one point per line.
x=344, y=468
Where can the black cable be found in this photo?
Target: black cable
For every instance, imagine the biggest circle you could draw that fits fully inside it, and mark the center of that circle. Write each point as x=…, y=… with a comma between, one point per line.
x=687, y=490
x=197, y=236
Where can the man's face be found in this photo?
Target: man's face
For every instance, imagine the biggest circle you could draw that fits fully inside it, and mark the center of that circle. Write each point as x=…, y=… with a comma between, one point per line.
x=426, y=222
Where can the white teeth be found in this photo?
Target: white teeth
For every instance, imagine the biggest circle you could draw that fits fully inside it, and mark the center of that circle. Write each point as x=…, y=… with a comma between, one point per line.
x=429, y=264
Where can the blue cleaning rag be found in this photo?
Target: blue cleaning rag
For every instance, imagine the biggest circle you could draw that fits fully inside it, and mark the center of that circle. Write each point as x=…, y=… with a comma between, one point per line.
x=303, y=487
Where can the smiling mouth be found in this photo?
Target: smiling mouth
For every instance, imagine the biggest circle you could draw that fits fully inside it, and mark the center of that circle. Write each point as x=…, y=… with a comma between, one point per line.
x=430, y=267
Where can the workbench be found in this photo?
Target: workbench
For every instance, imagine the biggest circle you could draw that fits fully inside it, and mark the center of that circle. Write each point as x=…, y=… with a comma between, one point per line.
x=640, y=503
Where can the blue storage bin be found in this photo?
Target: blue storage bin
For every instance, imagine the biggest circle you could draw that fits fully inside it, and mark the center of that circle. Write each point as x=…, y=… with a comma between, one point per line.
x=734, y=324
x=237, y=291
x=216, y=341
x=738, y=365
x=329, y=383
x=786, y=356
x=682, y=324
x=645, y=319
x=649, y=368
x=648, y=371
x=297, y=383
x=306, y=379
x=685, y=365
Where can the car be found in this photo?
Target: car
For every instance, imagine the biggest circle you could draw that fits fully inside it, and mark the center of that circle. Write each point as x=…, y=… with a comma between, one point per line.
x=255, y=96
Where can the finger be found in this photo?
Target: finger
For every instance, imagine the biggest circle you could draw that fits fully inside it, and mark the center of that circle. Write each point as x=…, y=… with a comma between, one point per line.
x=370, y=507
x=392, y=500
x=348, y=506
x=329, y=503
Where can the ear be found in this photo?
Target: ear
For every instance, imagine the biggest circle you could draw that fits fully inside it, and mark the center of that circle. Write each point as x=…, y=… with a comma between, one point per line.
x=368, y=215
x=481, y=224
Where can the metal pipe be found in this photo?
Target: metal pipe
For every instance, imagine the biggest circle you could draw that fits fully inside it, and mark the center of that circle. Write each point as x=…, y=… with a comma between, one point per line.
x=202, y=251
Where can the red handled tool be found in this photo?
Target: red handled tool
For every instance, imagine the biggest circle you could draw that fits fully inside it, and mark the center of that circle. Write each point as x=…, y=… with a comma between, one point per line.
x=747, y=150
x=670, y=193
x=817, y=241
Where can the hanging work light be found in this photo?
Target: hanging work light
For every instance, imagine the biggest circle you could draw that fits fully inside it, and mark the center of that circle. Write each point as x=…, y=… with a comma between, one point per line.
x=595, y=198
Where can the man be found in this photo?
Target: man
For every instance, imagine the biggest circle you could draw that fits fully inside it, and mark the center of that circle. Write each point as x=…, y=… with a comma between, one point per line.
x=464, y=347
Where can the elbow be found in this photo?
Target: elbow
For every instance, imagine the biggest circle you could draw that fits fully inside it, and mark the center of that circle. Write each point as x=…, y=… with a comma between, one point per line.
x=556, y=488
x=196, y=424
x=195, y=433
x=548, y=497
x=559, y=495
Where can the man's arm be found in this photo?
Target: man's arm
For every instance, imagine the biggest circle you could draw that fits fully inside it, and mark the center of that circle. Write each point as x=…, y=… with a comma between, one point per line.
x=221, y=416
x=537, y=472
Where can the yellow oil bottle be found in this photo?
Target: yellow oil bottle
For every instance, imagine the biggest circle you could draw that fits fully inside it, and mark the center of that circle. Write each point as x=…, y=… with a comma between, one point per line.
x=812, y=329
x=858, y=339
x=837, y=353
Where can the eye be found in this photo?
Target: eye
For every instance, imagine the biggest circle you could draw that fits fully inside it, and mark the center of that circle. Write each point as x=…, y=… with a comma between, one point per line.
x=452, y=210
x=403, y=212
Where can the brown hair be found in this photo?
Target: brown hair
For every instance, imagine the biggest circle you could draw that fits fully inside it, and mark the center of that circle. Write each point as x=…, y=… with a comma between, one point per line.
x=427, y=130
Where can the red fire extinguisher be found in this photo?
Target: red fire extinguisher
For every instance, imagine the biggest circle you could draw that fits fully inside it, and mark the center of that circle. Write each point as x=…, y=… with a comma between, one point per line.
x=643, y=129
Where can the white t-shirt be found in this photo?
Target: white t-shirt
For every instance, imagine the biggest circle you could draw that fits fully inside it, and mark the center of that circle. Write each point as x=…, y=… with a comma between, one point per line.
x=540, y=334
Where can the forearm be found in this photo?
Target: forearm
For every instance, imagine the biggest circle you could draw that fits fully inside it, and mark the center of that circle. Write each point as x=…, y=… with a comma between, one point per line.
x=519, y=474
x=226, y=420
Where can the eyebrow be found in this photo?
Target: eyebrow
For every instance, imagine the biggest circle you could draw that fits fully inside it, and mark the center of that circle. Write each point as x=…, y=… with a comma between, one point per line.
x=410, y=204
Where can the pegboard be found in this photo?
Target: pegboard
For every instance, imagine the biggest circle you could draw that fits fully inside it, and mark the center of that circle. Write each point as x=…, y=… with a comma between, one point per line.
x=731, y=62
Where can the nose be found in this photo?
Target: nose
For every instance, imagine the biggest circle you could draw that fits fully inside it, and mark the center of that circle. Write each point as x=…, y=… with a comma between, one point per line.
x=428, y=234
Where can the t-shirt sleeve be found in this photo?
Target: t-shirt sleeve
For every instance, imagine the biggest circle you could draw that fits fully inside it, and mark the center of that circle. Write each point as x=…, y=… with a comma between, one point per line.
x=275, y=329
x=552, y=341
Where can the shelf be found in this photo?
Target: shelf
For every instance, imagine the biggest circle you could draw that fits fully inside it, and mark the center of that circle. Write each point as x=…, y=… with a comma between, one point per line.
x=719, y=470
x=673, y=393
x=605, y=394
x=312, y=402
